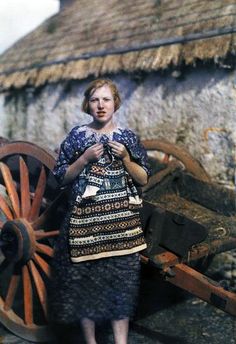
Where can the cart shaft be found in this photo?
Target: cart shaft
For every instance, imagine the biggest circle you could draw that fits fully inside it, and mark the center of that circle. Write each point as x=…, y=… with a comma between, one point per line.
x=203, y=287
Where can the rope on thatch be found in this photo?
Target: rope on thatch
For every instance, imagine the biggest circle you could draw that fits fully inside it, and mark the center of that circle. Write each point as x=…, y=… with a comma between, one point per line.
x=146, y=60
x=181, y=38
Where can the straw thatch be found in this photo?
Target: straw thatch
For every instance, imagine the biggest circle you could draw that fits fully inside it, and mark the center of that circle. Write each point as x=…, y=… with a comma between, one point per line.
x=92, y=37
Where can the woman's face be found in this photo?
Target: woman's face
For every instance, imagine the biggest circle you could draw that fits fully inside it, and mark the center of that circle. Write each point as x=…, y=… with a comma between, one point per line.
x=101, y=105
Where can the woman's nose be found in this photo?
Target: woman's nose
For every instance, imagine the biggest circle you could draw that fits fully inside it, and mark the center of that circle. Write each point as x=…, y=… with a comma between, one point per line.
x=100, y=104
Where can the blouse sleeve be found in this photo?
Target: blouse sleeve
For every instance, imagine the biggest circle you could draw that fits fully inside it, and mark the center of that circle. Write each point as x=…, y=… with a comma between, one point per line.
x=65, y=157
x=137, y=151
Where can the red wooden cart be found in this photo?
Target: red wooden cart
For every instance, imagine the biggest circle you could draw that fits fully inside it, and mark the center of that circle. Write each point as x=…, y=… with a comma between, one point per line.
x=31, y=208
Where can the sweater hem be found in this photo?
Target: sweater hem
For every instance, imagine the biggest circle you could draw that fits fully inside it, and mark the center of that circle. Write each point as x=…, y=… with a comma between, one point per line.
x=108, y=254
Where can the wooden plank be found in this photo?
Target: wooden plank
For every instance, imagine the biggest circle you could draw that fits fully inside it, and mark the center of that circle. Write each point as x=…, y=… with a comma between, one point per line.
x=164, y=260
x=216, y=246
x=210, y=195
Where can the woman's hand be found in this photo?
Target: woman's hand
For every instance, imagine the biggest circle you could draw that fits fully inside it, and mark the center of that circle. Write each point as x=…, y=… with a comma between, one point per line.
x=93, y=153
x=135, y=171
x=118, y=149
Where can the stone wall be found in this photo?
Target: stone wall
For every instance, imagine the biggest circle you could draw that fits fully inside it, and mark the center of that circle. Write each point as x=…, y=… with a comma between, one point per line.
x=196, y=109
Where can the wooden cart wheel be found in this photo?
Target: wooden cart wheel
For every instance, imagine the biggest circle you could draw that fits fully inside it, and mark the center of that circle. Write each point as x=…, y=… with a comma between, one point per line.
x=26, y=235
x=173, y=156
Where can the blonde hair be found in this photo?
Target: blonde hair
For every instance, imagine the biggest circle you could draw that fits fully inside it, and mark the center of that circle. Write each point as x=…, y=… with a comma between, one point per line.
x=93, y=86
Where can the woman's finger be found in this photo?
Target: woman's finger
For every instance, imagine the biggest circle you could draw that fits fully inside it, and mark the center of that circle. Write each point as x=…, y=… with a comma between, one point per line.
x=115, y=144
x=98, y=148
x=98, y=145
x=116, y=152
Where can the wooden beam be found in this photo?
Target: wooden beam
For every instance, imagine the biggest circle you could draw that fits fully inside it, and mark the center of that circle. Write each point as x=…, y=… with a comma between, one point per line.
x=203, y=287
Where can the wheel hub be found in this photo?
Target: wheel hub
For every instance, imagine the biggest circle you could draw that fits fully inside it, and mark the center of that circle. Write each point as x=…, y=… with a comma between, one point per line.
x=18, y=241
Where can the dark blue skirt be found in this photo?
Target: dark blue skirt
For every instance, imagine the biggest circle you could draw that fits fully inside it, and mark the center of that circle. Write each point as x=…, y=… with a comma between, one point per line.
x=102, y=289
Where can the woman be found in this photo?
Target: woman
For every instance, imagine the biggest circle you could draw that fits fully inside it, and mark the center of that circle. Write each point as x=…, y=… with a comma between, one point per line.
x=96, y=260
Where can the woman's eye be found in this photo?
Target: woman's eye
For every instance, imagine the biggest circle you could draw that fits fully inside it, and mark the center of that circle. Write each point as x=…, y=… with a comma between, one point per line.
x=92, y=100
x=107, y=99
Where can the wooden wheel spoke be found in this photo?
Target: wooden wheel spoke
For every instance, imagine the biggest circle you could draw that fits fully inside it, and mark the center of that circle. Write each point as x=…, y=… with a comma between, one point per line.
x=43, y=265
x=47, y=250
x=25, y=172
x=24, y=189
x=28, y=296
x=40, y=234
x=5, y=263
x=11, y=292
x=47, y=213
x=172, y=150
x=11, y=189
x=40, y=286
x=5, y=208
x=157, y=177
x=1, y=224
x=38, y=196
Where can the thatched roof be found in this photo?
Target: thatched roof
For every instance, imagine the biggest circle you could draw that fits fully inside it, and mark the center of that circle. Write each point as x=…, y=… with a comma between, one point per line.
x=92, y=37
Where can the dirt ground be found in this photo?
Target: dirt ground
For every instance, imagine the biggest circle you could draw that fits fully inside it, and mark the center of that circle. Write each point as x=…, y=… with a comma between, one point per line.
x=166, y=315
x=169, y=315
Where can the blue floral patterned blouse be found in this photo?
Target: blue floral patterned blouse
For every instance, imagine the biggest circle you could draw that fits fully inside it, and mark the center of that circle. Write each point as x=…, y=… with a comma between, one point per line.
x=82, y=137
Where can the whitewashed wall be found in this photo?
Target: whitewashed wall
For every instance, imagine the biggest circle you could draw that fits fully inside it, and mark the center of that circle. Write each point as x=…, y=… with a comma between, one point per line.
x=3, y=118
x=155, y=105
